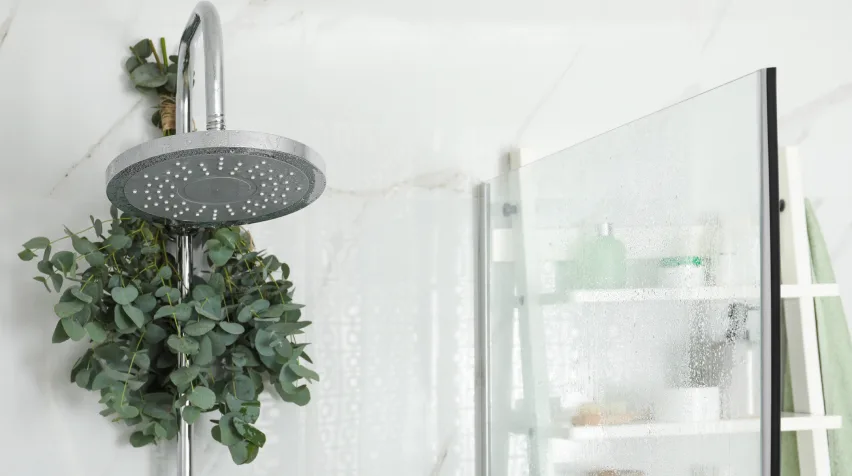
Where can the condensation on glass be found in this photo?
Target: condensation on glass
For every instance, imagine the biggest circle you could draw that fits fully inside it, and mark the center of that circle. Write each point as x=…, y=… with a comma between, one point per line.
x=625, y=298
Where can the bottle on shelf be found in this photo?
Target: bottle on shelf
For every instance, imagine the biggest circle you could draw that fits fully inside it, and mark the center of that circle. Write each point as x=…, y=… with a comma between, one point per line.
x=740, y=379
x=603, y=261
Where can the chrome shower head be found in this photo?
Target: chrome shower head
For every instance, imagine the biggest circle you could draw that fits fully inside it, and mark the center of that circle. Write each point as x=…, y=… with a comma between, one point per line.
x=214, y=177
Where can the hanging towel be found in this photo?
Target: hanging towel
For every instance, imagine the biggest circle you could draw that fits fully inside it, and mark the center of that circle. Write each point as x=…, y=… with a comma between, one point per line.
x=835, y=351
x=835, y=354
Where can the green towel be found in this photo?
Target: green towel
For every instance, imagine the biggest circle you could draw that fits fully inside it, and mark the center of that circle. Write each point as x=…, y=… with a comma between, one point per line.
x=835, y=354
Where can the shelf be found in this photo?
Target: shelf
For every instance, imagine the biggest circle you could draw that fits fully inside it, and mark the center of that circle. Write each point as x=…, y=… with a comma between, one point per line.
x=685, y=294
x=789, y=422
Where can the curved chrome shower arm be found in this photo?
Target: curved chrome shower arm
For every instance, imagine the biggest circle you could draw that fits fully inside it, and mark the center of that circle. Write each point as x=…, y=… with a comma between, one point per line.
x=205, y=16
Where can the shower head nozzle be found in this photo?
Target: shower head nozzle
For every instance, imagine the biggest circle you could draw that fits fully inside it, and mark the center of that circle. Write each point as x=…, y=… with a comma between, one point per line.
x=214, y=177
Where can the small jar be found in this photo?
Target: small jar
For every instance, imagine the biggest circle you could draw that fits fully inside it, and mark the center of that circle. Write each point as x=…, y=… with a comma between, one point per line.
x=682, y=272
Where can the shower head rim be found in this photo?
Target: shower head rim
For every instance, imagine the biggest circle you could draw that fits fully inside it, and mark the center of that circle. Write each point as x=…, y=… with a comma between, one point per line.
x=270, y=146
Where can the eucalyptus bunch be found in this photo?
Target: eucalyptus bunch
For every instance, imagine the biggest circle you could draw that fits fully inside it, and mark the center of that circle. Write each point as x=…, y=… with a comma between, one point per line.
x=157, y=77
x=120, y=291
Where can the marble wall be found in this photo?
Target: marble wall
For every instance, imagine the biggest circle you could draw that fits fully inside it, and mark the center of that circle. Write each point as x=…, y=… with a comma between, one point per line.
x=411, y=103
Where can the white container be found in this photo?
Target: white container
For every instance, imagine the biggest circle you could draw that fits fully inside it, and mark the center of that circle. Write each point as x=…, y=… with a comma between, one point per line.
x=688, y=404
x=682, y=272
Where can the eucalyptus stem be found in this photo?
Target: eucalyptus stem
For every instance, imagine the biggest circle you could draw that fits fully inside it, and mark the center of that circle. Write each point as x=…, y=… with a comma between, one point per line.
x=130, y=367
x=156, y=56
x=163, y=49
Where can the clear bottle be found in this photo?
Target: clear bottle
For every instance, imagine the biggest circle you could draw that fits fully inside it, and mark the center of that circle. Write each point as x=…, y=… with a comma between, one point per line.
x=740, y=387
x=603, y=261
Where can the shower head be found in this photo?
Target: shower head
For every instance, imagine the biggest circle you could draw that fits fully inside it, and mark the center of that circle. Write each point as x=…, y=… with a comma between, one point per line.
x=213, y=177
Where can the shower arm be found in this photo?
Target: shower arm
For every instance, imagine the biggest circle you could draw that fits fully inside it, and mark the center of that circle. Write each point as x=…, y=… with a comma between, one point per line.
x=206, y=17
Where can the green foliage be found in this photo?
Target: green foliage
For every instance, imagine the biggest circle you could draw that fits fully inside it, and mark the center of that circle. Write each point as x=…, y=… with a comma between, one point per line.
x=239, y=328
x=150, y=72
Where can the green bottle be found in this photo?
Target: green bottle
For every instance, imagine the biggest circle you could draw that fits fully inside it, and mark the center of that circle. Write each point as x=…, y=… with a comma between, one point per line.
x=603, y=262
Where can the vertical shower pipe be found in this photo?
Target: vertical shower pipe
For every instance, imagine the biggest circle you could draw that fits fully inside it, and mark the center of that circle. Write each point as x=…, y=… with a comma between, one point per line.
x=204, y=16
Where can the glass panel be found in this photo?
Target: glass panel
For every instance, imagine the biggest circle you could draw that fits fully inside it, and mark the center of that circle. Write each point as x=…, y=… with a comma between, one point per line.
x=625, y=298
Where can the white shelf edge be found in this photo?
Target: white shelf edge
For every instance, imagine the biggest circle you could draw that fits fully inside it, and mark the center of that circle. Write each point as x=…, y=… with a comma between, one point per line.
x=791, y=291
x=788, y=291
x=789, y=422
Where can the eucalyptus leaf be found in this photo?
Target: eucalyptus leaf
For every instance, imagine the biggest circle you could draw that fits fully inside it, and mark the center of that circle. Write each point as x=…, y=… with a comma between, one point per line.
x=101, y=381
x=244, y=387
x=135, y=314
x=143, y=48
x=218, y=252
x=250, y=411
x=154, y=333
x=56, y=279
x=265, y=342
x=287, y=328
x=303, y=371
x=131, y=64
x=37, y=243
x=253, y=309
x=204, y=292
x=124, y=295
x=68, y=309
x=96, y=332
x=301, y=397
x=233, y=403
x=183, y=345
x=82, y=245
x=122, y=322
x=139, y=439
x=273, y=311
x=79, y=294
x=231, y=327
x=217, y=343
x=227, y=433
x=243, y=452
x=59, y=334
x=142, y=360
x=26, y=255
x=250, y=433
x=165, y=272
x=181, y=312
x=42, y=280
x=210, y=309
x=64, y=261
x=146, y=302
x=98, y=225
x=96, y=258
x=205, y=352
x=118, y=242
x=190, y=414
x=127, y=411
x=202, y=397
x=168, y=294
x=199, y=328
x=184, y=375
x=227, y=237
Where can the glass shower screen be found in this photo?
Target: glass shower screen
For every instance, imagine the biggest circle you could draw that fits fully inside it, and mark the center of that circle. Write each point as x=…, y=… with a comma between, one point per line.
x=628, y=295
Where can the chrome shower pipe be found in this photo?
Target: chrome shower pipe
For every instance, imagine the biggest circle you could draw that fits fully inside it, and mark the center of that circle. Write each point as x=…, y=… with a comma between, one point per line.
x=184, y=251
x=206, y=17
